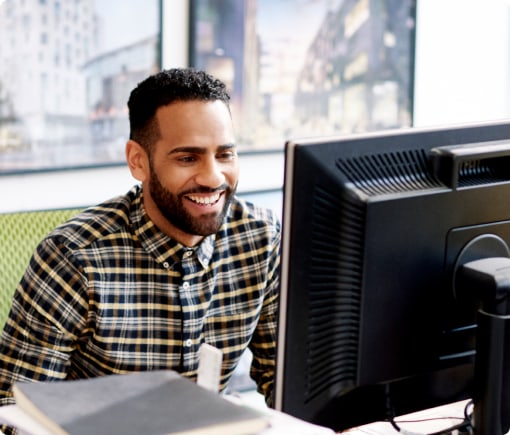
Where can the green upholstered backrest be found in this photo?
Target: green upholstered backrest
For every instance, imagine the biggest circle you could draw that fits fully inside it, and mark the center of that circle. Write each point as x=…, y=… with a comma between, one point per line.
x=20, y=233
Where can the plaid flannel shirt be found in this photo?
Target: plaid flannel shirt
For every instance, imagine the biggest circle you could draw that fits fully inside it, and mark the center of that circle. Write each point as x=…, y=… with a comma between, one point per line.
x=107, y=292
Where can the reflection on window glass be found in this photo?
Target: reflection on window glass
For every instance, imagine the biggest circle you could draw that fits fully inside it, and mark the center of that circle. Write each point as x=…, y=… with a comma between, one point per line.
x=66, y=70
x=308, y=67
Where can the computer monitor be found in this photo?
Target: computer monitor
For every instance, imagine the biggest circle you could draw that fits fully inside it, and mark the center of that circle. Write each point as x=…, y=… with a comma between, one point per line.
x=382, y=296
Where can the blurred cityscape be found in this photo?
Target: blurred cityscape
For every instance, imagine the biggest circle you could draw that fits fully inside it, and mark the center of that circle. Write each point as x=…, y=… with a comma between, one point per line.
x=294, y=68
x=66, y=70
x=309, y=67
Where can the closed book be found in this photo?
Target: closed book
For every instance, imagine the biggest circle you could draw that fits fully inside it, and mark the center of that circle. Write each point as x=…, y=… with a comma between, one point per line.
x=149, y=403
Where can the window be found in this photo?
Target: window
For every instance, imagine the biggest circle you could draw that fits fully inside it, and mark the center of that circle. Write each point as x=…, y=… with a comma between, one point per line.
x=49, y=123
x=310, y=67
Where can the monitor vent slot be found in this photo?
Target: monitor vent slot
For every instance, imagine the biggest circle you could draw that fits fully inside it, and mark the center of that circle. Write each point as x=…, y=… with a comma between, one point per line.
x=391, y=172
x=334, y=292
x=483, y=171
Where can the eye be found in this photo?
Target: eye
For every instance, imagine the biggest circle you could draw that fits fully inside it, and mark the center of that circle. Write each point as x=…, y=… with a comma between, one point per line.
x=186, y=159
x=226, y=155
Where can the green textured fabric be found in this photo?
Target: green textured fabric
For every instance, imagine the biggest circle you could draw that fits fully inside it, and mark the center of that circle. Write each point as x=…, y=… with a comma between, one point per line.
x=19, y=235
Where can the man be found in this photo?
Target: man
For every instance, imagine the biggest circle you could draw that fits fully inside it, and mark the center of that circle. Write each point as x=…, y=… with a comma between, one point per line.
x=141, y=281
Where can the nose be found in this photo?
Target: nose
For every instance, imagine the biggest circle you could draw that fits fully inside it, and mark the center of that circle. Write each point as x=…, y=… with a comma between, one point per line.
x=210, y=174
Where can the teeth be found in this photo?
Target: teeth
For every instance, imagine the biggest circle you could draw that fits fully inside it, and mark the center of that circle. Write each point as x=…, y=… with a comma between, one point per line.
x=205, y=200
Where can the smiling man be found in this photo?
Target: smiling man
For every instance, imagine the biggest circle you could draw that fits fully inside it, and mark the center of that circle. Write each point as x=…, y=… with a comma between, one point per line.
x=190, y=173
x=141, y=281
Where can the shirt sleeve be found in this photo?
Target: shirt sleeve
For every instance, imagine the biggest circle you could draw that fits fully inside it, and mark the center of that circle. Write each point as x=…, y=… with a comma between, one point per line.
x=263, y=343
x=48, y=307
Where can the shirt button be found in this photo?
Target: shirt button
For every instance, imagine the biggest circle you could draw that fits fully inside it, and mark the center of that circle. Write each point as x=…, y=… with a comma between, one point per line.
x=188, y=254
x=187, y=343
x=166, y=265
x=185, y=285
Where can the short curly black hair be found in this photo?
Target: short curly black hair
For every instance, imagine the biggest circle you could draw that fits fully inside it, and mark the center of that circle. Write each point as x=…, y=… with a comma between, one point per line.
x=166, y=87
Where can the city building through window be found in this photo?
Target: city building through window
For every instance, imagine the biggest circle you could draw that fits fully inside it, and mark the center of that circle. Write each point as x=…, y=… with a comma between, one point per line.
x=66, y=69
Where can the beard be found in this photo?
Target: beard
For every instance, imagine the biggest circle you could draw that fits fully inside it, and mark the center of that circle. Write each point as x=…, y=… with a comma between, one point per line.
x=172, y=207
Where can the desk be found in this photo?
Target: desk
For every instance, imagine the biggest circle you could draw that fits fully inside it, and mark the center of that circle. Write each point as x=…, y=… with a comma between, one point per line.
x=422, y=422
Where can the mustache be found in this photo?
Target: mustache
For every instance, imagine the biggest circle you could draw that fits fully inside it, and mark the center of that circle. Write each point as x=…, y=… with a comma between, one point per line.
x=201, y=189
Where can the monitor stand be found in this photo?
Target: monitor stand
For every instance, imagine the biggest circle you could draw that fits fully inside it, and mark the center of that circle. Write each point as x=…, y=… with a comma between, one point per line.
x=487, y=281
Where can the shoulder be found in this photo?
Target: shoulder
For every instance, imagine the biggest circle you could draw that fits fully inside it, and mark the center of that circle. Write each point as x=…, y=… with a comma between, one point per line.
x=248, y=223
x=97, y=222
x=243, y=212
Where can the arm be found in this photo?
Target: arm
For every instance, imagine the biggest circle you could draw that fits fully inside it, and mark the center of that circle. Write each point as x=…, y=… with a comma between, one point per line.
x=49, y=307
x=263, y=343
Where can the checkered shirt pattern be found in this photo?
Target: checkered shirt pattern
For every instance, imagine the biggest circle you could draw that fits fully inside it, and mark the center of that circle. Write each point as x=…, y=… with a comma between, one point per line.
x=107, y=292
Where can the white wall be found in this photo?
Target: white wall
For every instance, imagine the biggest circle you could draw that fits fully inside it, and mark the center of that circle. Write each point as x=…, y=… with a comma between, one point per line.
x=83, y=187
x=462, y=61
x=176, y=22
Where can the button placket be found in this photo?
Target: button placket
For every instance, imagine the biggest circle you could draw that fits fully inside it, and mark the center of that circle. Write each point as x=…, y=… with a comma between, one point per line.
x=188, y=302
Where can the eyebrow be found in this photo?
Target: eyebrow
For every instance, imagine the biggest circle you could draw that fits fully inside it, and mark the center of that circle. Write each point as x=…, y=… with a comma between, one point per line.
x=200, y=150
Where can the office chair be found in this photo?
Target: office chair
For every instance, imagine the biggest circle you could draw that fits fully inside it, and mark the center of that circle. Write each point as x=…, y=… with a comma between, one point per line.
x=20, y=232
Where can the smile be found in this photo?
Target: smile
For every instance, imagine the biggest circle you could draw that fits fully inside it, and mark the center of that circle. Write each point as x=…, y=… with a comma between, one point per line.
x=205, y=200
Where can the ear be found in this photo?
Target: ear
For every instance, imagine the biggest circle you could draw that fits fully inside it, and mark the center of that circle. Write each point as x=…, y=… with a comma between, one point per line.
x=137, y=160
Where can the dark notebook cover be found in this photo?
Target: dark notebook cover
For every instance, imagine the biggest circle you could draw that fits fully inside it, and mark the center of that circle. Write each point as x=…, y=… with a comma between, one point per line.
x=157, y=402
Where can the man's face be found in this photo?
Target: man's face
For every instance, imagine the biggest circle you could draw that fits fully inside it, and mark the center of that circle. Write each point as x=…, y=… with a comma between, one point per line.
x=193, y=169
